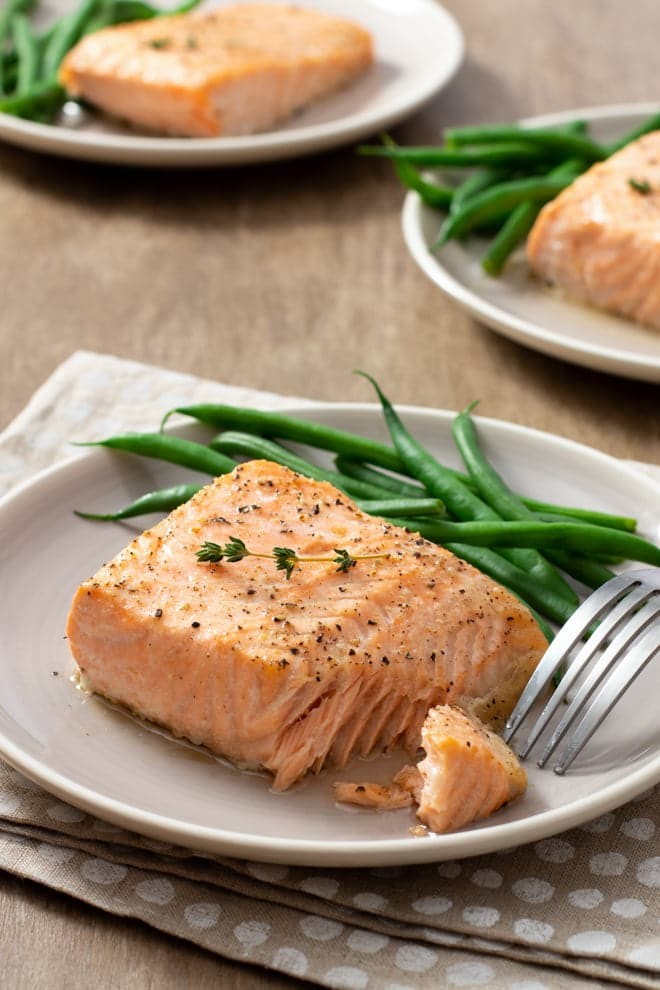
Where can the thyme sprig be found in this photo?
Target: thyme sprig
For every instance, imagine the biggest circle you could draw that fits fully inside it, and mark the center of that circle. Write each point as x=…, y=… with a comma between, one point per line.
x=285, y=558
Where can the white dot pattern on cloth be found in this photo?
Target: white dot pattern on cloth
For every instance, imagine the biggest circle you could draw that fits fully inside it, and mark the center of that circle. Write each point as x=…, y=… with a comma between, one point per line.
x=100, y=871
x=450, y=869
x=490, y=879
x=533, y=891
x=431, y=905
x=362, y=940
x=646, y=955
x=320, y=886
x=610, y=864
x=291, y=961
x=641, y=829
x=9, y=804
x=55, y=854
x=554, y=850
x=368, y=901
x=65, y=813
x=469, y=974
x=586, y=898
x=252, y=933
x=648, y=872
x=202, y=915
x=347, y=977
x=599, y=825
x=628, y=907
x=530, y=930
x=320, y=929
x=481, y=917
x=268, y=872
x=157, y=891
x=415, y=958
x=591, y=943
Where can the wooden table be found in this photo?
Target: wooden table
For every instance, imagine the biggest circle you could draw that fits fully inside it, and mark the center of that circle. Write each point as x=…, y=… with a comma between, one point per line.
x=287, y=277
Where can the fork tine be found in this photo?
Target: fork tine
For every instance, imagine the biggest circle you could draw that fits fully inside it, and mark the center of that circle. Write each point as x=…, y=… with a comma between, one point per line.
x=570, y=634
x=641, y=654
x=584, y=656
x=619, y=644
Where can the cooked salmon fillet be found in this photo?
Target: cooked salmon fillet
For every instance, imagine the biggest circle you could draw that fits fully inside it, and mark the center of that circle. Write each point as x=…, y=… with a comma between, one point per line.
x=599, y=240
x=295, y=674
x=468, y=772
x=234, y=71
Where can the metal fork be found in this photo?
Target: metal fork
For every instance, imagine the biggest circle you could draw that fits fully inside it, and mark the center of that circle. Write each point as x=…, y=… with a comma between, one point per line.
x=610, y=639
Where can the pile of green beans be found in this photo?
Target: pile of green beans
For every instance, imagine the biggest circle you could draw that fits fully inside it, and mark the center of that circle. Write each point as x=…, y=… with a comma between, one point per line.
x=518, y=170
x=527, y=545
x=30, y=59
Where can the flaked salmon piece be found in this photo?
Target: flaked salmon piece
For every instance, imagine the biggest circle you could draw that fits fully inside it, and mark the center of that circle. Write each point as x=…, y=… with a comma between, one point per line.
x=234, y=71
x=468, y=773
x=599, y=240
x=293, y=675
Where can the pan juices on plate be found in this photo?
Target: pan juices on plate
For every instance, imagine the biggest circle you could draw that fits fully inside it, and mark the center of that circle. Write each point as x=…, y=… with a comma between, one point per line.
x=236, y=70
x=294, y=674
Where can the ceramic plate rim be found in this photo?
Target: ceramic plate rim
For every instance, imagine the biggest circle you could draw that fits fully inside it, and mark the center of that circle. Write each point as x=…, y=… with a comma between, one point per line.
x=400, y=851
x=519, y=329
x=269, y=146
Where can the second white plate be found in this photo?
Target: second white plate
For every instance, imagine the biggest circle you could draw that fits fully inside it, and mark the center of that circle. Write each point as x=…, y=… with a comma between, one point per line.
x=87, y=753
x=519, y=306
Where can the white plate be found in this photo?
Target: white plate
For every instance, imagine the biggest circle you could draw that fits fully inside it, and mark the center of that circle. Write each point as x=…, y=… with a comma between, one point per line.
x=101, y=760
x=519, y=306
x=418, y=48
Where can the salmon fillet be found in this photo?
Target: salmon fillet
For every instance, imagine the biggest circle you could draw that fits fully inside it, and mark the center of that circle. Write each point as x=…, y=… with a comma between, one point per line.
x=292, y=675
x=599, y=240
x=234, y=71
x=468, y=772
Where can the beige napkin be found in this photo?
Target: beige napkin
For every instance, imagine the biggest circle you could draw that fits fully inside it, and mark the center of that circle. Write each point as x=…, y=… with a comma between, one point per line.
x=579, y=909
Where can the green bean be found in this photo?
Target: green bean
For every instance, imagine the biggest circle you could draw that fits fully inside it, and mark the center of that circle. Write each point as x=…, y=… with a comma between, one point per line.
x=520, y=222
x=67, y=32
x=474, y=184
x=247, y=445
x=432, y=194
x=586, y=515
x=408, y=507
x=355, y=469
x=27, y=51
x=589, y=571
x=511, y=234
x=493, y=201
x=460, y=500
x=494, y=490
x=648, y=125
x=165, y=447
x=508, y=155
x=7, y=14
x=554, y=513
x=584, y=537
x=163, y=500
x=44, y=99
x=545, y=139
x=273, y=424
x=508, y=505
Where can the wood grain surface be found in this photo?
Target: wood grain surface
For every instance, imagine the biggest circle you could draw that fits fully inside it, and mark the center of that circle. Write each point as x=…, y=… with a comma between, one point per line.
x=287, y=277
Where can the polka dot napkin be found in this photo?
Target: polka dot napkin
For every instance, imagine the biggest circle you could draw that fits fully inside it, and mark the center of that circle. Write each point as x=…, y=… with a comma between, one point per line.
x=580, y=909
